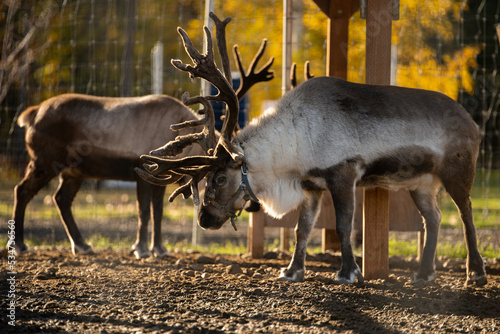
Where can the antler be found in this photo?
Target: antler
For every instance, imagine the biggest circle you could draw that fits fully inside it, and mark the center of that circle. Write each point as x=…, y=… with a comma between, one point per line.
x=251, y=78
x=161, y=170
x=206, y=139
x=307, y=73
x=293, y=76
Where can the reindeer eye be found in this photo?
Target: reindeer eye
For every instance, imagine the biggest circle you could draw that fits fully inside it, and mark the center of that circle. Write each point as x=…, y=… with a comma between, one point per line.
x=221, y=180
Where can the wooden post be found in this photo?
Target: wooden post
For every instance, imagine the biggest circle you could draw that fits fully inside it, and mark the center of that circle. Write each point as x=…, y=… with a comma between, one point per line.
x=256, y=234
x=338, y=32
x=329, y=240
x=376, y=233
x=284, y=239
x=420, y=247
x=376, y=201
x=286, y=85
x=339, y=13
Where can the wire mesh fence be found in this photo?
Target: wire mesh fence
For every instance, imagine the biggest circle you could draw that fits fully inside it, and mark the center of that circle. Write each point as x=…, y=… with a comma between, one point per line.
x=103, y=48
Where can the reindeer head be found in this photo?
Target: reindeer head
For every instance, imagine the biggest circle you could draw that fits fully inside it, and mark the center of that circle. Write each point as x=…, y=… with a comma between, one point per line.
x=223, y=163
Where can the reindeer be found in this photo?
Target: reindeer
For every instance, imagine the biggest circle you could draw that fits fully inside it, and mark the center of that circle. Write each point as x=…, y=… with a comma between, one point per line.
x=334, y=135
x=78, y=137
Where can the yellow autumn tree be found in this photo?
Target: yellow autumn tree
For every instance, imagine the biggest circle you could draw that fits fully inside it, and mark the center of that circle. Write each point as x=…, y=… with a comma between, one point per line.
x=424, y=40
x=425, y=43
x=251, y=22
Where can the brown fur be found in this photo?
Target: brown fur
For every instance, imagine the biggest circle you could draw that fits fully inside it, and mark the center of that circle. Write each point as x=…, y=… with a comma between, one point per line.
x=79, y=137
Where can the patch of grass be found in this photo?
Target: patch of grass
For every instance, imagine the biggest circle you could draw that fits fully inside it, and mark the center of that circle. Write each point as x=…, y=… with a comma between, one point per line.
x=485, y=197
x=99, y=241
x=402, y=248
x=456, y=250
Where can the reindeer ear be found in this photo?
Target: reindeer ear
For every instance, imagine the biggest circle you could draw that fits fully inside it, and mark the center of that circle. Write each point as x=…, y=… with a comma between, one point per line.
x=235, y=163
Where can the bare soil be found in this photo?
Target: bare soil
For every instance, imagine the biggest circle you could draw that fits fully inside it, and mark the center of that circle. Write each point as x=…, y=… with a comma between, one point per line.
x=112, y=292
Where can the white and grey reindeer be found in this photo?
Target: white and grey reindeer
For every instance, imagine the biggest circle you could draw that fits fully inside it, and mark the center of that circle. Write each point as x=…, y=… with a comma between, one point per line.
x=330, y=134
x=78, y=137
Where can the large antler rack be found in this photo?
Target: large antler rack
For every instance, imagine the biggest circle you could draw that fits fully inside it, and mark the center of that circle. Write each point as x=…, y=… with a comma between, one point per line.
x=161, y=170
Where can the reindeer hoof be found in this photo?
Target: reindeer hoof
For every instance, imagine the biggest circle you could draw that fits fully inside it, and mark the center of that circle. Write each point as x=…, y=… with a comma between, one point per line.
x=160, y=252
x=421, y=280
x=475, y=278
x=20, y=248
x=289, y=275
x=84, y=249
x=421, y=283
x=140, y=251
x=340, y=278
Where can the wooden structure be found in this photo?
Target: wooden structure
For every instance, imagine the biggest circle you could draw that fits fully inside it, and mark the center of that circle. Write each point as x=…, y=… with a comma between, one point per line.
x=403, y=216
x=372, y=211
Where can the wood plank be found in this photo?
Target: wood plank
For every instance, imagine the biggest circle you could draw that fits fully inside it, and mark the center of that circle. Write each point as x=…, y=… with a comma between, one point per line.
x=327, y=221
x=339, y=13
x=256, y=234
x=376, y=234
x=378, y=42
x=376, y=201
x=284, y=239
x=337, y=39
x=325, y=5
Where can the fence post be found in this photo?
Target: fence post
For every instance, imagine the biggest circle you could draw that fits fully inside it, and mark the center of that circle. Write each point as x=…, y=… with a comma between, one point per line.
x=379, y=16
x=157, y=68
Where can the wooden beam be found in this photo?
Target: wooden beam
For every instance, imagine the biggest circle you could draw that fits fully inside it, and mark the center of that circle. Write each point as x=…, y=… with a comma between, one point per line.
x=336, y=66
x=338, y=32
x=256, y=234
x=376, y=201
x=378, y=42
x=325, y=5
x=339, y=13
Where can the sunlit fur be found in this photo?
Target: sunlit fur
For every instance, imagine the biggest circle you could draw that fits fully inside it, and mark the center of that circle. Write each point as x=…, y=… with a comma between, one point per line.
x=76, y=137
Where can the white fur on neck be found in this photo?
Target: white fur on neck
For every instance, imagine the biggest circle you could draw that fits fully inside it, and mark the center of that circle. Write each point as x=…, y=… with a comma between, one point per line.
x=279, y=196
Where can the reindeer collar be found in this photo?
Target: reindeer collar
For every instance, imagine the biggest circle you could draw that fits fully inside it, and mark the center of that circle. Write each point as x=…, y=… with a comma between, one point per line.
x=244, y=183
x=248, y=193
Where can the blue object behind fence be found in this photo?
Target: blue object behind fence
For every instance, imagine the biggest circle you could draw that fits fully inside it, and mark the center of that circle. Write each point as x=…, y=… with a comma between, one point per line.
x=219, y=107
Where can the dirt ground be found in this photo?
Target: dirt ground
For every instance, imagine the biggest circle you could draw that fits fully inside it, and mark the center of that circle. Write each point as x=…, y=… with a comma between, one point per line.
x=112, y=292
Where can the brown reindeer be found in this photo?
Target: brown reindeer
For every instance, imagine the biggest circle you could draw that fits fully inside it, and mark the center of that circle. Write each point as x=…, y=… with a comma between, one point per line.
x=330, y=134
x=78, y=137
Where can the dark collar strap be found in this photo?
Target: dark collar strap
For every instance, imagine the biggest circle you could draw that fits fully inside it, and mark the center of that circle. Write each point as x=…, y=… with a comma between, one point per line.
x=246, y=184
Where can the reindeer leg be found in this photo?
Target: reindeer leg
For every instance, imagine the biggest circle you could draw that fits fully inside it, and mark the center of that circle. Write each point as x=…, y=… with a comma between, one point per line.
x=157, y=247
x=344, y=202
x=140, y=247
x=307, y=218
x=63, y=197
x=475, y=266
x=36, y=177
x=425, y=200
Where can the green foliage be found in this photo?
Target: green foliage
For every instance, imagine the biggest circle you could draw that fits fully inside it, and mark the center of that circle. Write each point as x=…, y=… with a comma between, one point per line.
x=450, y=250
x=485, y=198
x=402, y=248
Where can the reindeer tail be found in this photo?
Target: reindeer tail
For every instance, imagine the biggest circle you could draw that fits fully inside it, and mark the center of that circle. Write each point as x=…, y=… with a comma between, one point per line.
x=27, y=116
